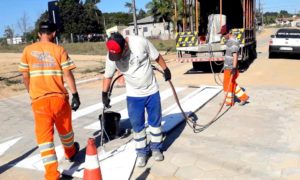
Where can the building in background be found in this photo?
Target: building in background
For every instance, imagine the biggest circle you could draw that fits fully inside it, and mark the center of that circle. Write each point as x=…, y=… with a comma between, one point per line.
x=14, y=40
x=115, y=29
x=147, y=27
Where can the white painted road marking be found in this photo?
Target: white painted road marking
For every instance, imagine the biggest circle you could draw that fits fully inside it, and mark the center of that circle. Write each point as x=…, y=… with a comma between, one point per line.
x=189, y=104
x=124, y=160
x=95, y=107
x=124, y=113
x=35, y=162
x=6, y=145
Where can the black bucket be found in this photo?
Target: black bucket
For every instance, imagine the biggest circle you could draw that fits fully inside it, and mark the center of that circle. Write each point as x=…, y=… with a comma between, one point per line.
x=111, y=122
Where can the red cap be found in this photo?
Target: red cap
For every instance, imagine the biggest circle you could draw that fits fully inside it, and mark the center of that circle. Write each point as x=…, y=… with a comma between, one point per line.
x=114, y=50
x=224, y=30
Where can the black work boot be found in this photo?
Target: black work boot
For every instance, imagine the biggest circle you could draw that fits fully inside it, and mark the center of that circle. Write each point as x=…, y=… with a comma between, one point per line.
x=77, y=148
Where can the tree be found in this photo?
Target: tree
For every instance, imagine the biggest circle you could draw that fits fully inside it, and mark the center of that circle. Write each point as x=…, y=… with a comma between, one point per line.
x=270, y=17
x=129, y=6
x=141, y=14
x=92, y=17
x=9, y=32
x=117, y=19
x=284, y=14
x=23, y=23
x=162, y=11
x=77, y=17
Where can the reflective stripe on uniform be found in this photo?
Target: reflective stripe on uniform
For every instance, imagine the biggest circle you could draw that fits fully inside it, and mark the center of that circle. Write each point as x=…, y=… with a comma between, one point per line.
x=46, y=73
x=68, y=139
x=67, y=136
x=49, y=159
x=229, y=96
x=228, y=100
x=68, y=144
x=140, y=139
x=239, y=91
x=46, y=146
x=156, y=134
x=67, y=64
x=23, y=66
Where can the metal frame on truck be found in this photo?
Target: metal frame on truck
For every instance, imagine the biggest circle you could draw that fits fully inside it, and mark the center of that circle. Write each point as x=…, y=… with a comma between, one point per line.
x=192, y=39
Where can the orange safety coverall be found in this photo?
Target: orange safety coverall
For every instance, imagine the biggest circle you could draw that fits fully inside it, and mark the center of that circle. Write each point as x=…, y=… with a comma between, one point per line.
x=232, y=89
x=45, y=63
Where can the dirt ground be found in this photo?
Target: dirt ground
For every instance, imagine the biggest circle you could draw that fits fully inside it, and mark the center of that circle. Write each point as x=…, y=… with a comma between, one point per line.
x=266, y=72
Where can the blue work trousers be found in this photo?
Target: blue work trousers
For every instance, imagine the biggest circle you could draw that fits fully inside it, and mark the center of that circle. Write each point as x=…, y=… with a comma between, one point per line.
x=136, y=111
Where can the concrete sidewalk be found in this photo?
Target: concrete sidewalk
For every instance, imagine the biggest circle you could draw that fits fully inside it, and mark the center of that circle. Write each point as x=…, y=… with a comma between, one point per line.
x=260, y=140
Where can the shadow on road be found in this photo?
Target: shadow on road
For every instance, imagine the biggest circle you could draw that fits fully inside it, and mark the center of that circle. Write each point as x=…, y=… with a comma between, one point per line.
x=144, y=175
x=12, y=163
x=285, y=56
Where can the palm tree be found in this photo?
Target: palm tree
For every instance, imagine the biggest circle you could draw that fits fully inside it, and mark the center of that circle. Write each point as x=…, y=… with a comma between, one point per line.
x=161, y=10
x=129, y=6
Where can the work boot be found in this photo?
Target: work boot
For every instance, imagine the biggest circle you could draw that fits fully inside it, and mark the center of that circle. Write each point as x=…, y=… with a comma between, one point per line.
x=157, y=155
x=242, y=103
x=77, y=148
x=141, y=161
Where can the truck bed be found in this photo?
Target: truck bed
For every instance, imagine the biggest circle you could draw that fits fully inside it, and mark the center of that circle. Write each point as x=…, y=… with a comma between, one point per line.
x=215, y=47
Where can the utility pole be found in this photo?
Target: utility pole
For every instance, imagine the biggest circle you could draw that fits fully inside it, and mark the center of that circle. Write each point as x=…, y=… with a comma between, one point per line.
x=134, y=18
x=261, y=13
x=262, y=16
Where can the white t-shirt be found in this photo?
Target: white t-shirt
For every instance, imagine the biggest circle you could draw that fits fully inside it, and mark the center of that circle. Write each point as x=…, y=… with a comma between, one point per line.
x=136, y=67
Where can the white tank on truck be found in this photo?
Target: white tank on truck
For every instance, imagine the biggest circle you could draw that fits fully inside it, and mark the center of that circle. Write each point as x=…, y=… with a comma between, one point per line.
x=198, y=39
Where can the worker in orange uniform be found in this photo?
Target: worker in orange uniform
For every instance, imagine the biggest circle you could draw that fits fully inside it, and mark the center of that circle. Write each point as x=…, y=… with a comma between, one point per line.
x=45, y=65
x=231, y=73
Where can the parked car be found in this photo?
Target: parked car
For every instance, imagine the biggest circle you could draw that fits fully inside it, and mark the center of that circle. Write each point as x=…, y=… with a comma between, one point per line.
x=285, y=40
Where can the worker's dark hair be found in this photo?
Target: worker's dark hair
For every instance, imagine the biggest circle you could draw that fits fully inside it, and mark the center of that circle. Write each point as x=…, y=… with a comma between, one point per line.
x=47, y=27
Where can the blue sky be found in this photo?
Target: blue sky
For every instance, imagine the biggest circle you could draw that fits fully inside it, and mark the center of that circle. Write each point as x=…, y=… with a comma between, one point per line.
x=13, y=10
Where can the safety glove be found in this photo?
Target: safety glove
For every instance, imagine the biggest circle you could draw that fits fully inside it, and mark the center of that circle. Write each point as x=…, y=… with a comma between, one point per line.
x=233, y=71
x=75, y=101
x=167, y=74
x=105, y=99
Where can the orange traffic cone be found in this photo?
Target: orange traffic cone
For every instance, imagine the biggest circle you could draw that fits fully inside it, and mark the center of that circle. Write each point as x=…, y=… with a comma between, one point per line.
x=92, y=169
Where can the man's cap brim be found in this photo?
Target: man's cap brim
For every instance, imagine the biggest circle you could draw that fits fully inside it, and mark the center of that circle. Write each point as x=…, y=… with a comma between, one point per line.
x=115, y=56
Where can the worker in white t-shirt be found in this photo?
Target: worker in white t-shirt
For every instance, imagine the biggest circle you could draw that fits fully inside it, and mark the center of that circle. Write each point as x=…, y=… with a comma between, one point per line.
x=132, y=57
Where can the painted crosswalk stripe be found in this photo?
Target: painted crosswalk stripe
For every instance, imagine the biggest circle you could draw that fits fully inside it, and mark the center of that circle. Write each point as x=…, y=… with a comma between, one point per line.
x=35, y=162
x=124, y=113
x=172, y=117
x=190, y=104
x=6, y=145
x=95, y=107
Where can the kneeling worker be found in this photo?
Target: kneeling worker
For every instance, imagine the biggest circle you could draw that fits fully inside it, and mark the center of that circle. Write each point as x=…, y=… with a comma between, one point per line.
x=132, y=57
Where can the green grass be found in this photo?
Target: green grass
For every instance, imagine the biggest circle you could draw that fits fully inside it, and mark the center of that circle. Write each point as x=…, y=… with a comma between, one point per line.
x=89, y=48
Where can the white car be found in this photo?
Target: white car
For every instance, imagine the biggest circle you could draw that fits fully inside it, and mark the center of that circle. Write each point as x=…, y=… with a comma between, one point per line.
x=285, y=41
